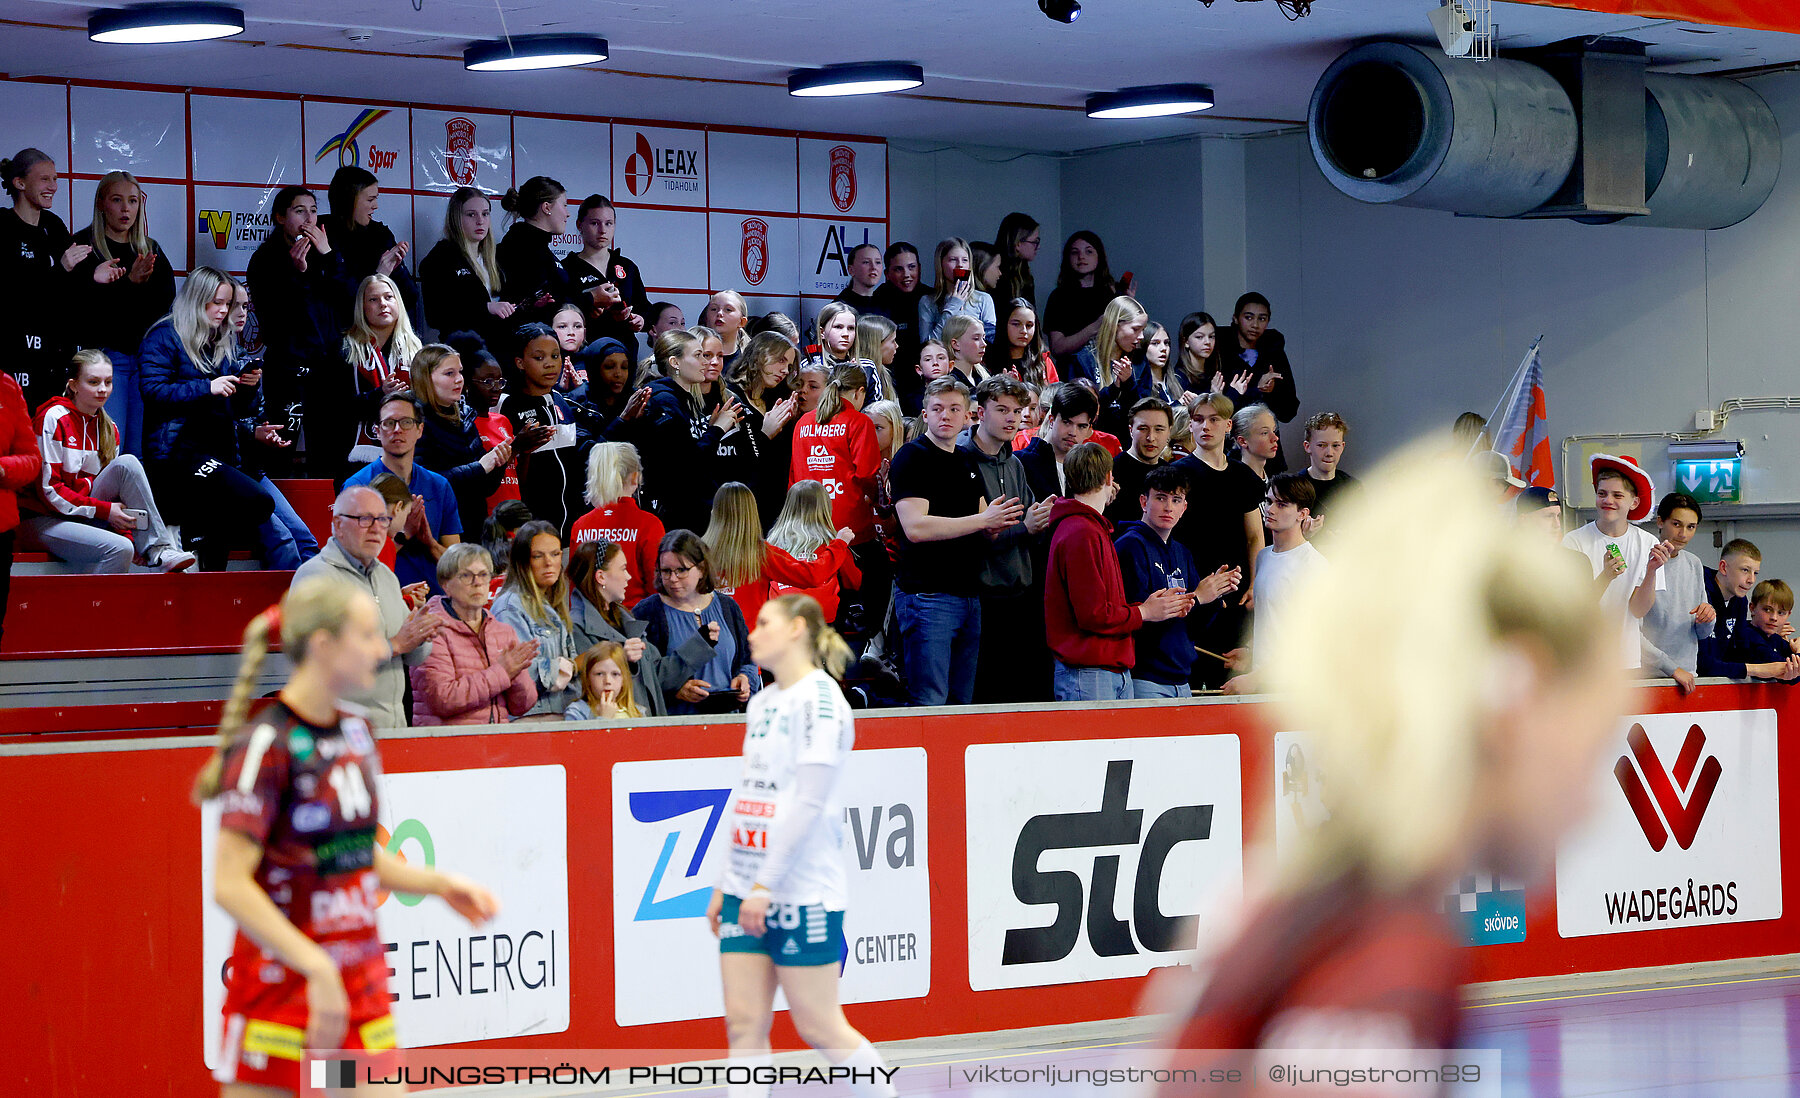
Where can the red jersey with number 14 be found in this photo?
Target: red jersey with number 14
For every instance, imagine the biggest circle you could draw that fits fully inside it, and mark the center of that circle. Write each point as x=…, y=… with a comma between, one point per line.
x=307, y=796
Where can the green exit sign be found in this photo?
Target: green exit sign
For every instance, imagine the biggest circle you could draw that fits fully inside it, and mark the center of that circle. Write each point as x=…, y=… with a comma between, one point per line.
x=1711, y=481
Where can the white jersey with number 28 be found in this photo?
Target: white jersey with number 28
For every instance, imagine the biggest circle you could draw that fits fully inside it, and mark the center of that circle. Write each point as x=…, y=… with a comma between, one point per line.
x=807, y=724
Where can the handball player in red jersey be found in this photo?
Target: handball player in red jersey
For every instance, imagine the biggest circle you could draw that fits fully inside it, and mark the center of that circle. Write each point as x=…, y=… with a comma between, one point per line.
x=1457, y=694
x=297, y=865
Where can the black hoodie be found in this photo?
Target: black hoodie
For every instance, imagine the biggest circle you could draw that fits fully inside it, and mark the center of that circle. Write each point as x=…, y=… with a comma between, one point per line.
x=680, y=449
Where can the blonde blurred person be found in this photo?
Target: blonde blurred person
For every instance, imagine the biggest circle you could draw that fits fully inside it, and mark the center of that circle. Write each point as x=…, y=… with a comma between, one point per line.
x=1455, y=733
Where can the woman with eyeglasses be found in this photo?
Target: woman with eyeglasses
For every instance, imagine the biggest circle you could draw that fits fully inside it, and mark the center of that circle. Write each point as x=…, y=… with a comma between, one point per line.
x=599, y=573
x=479, y=671
x=202, y=412
x=686, y=605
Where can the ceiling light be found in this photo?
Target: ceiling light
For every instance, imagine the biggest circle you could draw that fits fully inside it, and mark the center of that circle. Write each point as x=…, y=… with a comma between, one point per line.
x=534, y=51
x=865, y=78
x=165, y=23
x=1063, y=11
x=1153, y=101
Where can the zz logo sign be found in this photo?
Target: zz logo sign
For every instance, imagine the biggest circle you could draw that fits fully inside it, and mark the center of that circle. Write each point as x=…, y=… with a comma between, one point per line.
x=1655, y=791
x=661, y=805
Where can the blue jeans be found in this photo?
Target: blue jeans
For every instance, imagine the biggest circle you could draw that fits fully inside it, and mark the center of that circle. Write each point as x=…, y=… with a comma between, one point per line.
x=1144, y=688
x=1091, y=684
x=940, y=642
x=286, y=542
x=126, y=404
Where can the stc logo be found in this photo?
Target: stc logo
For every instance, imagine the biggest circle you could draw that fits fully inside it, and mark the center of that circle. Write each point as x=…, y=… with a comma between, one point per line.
x=671, y=804
x=646, y=164
x=843, y=177
x=393, y=844
x=753, y=252
x=350, y=152
x=1654, y=790
x=459, y=150
x=1113, y=825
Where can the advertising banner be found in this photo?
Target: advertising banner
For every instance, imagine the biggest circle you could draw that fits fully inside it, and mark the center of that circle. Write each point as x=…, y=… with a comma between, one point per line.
x=454, y=149
x=1685, y=829
x=659, y=167
x=1096, y=859
x=670, y=835
x=374, y=138
x=452, y=982
x=843, y=178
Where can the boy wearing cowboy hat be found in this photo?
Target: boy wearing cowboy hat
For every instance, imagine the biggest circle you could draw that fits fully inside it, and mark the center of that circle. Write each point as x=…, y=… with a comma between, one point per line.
x=1631, y=555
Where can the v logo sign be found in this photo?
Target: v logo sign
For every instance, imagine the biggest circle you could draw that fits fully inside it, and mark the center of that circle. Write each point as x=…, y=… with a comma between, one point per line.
x=1654, y=790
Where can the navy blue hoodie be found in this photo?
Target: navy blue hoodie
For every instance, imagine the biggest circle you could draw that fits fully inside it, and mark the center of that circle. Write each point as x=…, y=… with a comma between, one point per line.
x=1165, y=655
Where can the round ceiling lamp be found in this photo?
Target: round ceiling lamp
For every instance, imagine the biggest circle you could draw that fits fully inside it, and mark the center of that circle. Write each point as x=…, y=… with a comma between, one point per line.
x=1152, y=101
x=151, y=23
x=865, y=78
x=535, y=51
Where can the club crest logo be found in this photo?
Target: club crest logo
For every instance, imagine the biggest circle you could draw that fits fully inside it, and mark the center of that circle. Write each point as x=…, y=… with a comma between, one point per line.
x=753, y=253
x=459, y=150
x=843, y=177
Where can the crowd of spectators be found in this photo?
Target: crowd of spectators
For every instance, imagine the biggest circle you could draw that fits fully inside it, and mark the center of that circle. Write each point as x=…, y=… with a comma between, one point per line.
x=568, y=501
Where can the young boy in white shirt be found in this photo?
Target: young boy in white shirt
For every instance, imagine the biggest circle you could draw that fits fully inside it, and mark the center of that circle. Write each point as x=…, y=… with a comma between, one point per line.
x=1289, y=556
x=1633, y=556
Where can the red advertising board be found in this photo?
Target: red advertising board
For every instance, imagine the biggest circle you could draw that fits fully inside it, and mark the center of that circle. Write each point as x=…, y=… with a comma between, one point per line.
x=104, y=889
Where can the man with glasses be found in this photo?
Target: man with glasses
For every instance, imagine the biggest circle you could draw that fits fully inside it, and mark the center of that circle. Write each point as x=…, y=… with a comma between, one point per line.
x=359, y=525
x=434, y=523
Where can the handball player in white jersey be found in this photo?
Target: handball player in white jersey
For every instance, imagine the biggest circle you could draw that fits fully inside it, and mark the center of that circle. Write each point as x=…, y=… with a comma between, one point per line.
x=779, y=909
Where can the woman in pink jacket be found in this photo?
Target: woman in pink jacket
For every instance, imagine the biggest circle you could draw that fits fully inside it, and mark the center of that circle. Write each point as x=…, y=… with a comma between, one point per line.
x=479, y=670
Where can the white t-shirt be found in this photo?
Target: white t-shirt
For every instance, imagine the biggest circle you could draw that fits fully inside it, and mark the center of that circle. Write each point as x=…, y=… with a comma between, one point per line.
x=1634, y=546
x=1276, y=575
x=807, y=724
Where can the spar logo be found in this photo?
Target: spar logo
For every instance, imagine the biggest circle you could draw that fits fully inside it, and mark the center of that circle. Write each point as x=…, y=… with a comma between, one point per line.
x=395, y=843
x=459, y=150
x=1657, y=802
x=753, y=251
x=659, y=806
x=677, y=169
x=843, y=177
x=348, y=149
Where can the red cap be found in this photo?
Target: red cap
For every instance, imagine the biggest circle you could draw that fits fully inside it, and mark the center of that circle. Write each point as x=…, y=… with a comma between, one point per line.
x=1632, y=471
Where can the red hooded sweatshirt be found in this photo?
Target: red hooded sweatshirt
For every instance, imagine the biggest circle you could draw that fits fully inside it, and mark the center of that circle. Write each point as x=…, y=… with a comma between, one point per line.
x=1086, y=617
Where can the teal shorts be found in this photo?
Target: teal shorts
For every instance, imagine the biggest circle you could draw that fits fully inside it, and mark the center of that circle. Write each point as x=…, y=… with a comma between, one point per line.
x=796, y=935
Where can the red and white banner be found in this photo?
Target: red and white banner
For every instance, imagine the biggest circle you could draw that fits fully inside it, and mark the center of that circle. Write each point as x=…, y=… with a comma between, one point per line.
x=700, y=208
x=989, y=778
x=1685, y=830
x=1775, y=15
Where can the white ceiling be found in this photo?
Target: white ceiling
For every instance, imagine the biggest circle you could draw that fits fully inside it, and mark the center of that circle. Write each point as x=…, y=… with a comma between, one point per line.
x=998, y=72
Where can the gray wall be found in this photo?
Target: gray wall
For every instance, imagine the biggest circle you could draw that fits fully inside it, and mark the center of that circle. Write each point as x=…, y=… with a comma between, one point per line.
x=1400, y=319
x=1145, y=202
x=965, y=191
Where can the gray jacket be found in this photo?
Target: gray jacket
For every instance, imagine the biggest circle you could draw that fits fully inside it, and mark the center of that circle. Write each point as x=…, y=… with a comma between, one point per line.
x=387, y=702
x=1006, y=568
x=554, y=643
x=654, y=678
x=1671, y=636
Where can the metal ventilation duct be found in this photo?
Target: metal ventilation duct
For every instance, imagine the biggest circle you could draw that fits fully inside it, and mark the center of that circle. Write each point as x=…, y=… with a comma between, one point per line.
x=1401, y=124
x=1396, y=123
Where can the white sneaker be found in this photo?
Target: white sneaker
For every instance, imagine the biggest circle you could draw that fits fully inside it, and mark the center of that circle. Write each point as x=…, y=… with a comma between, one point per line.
x=173, y=560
